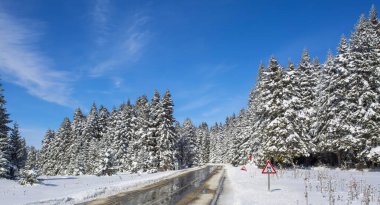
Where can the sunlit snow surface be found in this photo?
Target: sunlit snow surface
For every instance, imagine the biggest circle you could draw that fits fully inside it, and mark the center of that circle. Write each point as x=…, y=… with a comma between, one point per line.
x=73, y=189
x=323, y=185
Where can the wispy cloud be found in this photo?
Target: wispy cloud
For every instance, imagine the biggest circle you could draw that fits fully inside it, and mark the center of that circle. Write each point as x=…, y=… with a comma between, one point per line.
x=124, y=47
x=23, y=64
x=101, y=13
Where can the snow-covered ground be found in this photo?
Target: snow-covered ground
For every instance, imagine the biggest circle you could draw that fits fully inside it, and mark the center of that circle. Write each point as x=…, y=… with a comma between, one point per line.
x=75, y=189
x=315, y=186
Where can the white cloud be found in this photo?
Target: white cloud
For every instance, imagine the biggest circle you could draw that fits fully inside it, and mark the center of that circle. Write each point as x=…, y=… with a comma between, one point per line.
x=123, y=48
x=23, y=64
x=100, y=14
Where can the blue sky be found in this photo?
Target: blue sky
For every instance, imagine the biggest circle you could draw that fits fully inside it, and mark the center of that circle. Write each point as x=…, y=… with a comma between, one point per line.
x=59, y=55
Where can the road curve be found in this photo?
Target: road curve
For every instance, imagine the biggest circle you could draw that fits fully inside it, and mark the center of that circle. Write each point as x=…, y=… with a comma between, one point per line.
x=185, y=188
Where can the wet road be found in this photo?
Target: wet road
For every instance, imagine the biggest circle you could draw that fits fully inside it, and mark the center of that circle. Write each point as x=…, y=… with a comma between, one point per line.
x=166, y=192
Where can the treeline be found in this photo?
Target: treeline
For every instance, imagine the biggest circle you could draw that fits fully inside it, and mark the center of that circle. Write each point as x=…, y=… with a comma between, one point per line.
x=313, y=114
x=135, y=137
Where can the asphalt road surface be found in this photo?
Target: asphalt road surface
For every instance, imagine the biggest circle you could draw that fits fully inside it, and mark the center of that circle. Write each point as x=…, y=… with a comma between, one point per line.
x=193, y=187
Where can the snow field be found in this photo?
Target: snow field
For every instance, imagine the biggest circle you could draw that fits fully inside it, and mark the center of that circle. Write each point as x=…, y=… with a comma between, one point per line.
x=76, y=189
x=300, y=186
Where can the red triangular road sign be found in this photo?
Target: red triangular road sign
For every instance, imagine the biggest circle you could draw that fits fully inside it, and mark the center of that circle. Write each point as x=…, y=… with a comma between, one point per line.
x=243, y=168
x=269, y=169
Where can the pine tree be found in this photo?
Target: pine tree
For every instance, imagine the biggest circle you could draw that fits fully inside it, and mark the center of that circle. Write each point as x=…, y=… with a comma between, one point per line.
x=102, y=142
x=214, y=132
x=187, y=145
x=45, y=161
x=204, y=134
x=363, y=98
x=4, y=151
x=123, y=137
x=155, y=119
x=17, y=148
x=59, y=147
x=254, y=95
x=75, y=150
x=308, y=80
x=32, y=159
x=91, y=137
x=167, y=135
x=339, y=135
x=142, y=132
x=242, y=142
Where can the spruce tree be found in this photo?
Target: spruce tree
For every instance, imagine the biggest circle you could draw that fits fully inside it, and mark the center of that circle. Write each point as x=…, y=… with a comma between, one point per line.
x=91, y=136
x=167, y=135
x=32, y=159
x=60, y=145
x=75, y=150
x=46, y=160
x=141, y=111
x=204, y=133
x=155, y=119
x=17, y=148
x=4, y=147
x=188, y=145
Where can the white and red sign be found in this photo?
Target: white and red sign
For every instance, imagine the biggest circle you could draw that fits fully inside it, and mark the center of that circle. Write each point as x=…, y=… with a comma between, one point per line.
x=269, y=169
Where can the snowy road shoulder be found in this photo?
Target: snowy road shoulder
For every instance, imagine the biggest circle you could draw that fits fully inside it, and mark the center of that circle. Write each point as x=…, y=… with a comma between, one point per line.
x=76, y=189
x=316, y=186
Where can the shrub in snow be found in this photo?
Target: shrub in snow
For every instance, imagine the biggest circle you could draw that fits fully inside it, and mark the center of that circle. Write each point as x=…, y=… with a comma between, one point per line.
x=28, y=177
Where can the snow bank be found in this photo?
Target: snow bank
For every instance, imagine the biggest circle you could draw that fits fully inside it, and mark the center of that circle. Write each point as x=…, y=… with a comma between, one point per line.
x=316, y=186
x=74, y=189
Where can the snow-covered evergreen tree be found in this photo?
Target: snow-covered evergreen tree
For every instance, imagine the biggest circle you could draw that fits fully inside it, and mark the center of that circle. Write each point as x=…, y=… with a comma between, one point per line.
x=204, y=134
x=46, y=160
x=242, y=143
x=4, y=147
x=61, y=143
x=76, y=165
x=32, y=159
x=91, y=136
x=123, y=137
x=142, y=159
x=188, y=145
x=308, y=81
x=17, y=149
x=166, y=134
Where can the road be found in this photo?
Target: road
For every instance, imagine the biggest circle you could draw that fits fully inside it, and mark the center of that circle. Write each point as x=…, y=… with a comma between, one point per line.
x=192, y=187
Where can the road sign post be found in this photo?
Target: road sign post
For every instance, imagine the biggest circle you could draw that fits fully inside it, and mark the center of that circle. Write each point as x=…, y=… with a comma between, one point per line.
x=269, y=169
